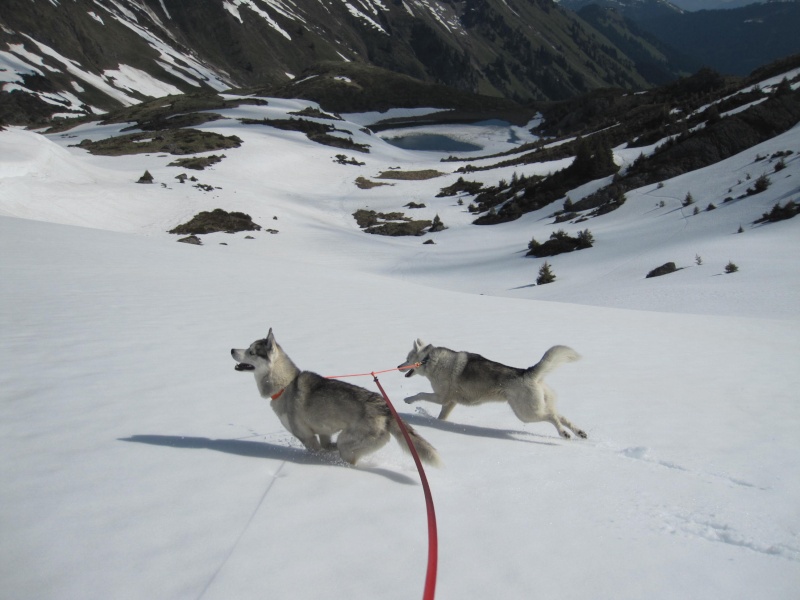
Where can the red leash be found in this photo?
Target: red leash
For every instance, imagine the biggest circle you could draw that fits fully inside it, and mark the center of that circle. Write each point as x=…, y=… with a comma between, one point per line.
x=433, y=540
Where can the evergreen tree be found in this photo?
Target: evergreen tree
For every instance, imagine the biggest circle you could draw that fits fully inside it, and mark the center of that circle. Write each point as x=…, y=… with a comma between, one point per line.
x=546, y=275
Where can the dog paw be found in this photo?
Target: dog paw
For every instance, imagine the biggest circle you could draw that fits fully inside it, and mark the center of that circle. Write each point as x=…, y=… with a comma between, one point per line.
x=581, y=434
x=564, y=434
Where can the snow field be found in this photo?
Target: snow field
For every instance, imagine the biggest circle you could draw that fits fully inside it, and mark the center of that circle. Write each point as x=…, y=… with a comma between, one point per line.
x=139, y=464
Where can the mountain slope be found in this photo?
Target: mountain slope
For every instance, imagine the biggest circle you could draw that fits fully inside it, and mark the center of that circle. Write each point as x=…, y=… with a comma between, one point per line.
x=657, y=61
x=79, y=54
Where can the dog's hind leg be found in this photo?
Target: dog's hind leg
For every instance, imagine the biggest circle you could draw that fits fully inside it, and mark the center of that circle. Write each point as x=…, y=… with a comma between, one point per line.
x=356, y=442
x=554, y=419
x=570, y=425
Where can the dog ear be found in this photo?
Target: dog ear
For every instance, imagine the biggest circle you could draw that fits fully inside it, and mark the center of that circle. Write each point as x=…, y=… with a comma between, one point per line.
x=419, y=344
x=265, y=347
x=270, y=340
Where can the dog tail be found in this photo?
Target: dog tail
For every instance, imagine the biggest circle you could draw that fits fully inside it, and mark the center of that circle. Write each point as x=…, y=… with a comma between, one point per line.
x=426, y=452
x=554, y=357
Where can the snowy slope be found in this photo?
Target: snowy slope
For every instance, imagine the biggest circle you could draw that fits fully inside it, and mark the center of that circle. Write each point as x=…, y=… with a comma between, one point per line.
x=138, y=464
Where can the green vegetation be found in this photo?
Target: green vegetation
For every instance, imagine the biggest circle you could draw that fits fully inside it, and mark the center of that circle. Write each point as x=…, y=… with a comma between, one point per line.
x=316, y=132
x=197, y=163
x=780, y=213
x=460, y=186
x=173, y=141
x=217, y=220
x=392, y=224
x=411, y=175
x=559, y=243
x=546, y=274
x=664, y=269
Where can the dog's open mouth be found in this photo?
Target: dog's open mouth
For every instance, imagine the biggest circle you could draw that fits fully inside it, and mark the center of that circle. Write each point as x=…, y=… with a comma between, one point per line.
x=244, y=367
x=410, y=372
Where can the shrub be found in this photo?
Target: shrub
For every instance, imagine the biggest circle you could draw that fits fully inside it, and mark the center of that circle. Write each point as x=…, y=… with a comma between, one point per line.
x=761, y=185
x=585, y=238
x=780, y=213
x=731, y=268
x=437, y=225
x=546, y=274
x=468, y=187
x=688, y=200
x=559, y=243
x=217, y=220
x=198, y=163
x=390, y=224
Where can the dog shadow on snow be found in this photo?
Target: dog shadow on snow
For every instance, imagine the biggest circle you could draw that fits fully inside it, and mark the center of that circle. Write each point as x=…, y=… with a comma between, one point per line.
x=299, y=456
x=423, y=419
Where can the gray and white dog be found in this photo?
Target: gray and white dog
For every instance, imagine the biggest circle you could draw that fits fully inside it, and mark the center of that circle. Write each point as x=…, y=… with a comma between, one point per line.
x=314, y=408
x=470, y=379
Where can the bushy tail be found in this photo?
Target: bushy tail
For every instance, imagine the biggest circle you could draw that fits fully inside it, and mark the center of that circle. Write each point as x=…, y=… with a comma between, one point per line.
x=551, y=359
x=426, y=452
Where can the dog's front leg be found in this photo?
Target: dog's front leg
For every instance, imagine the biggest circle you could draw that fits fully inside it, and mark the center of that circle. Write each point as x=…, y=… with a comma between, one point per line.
x=311, y=443
x=307, y=437
x=447, y=408
x=426, y=396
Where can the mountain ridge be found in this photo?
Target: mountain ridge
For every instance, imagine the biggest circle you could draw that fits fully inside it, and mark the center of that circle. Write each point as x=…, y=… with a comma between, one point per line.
x=78, y=55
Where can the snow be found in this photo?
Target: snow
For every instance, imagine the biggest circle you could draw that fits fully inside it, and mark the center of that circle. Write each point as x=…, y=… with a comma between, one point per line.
x=138, y=464
x=233, y=8
x=13, y=64
x=133, y=79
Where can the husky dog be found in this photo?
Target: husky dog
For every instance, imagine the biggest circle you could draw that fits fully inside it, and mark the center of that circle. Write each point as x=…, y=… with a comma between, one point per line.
x=467, y=378
x=314, y=408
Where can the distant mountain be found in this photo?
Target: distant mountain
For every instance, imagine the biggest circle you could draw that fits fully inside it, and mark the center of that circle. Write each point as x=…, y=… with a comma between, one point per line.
x=694, y=5
x=734, y=41
x=730, y=40
x=81, y=56
x=656, y=60
x=635, y=10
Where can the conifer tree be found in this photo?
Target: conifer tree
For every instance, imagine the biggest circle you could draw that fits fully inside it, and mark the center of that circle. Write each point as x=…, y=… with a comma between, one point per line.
x=546, y=275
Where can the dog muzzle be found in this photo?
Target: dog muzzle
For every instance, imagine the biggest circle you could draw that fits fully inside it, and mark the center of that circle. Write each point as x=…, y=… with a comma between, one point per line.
x=244, y=367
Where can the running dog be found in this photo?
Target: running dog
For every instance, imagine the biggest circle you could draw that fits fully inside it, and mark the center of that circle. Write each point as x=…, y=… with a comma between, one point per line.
x=314, y=408
x=470, y=379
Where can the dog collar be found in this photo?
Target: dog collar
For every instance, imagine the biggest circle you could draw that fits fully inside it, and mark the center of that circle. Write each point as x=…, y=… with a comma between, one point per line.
x=278, y=394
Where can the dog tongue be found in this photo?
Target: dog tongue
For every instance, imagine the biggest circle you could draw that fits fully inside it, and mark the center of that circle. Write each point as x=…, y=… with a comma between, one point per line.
x=244, y=367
